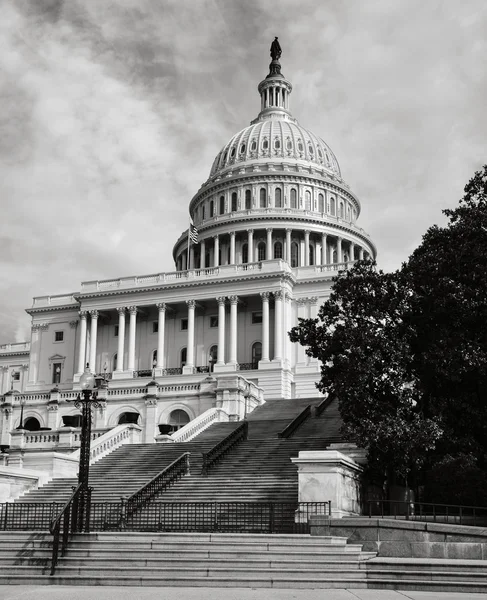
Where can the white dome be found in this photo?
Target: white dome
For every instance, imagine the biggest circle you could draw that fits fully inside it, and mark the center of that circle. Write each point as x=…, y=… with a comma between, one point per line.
x=279, y=140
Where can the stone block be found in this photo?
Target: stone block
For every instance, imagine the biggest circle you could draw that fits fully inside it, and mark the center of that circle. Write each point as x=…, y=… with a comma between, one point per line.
x=465, y=551
x=427, y=550
x=401, y=534
x=319, y=525
x=397, y=549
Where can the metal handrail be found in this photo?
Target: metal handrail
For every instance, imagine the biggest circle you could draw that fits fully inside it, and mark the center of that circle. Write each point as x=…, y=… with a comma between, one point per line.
x=179, y=467
x=428, y=511
x=295, y=423
x=68, y=520
x=213, y=455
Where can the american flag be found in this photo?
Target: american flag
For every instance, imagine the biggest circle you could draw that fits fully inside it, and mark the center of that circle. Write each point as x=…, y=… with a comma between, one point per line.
x=193, y=233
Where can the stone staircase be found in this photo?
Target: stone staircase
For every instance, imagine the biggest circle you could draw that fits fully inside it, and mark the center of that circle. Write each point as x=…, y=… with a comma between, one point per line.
x=227, y=560
x=210, y=560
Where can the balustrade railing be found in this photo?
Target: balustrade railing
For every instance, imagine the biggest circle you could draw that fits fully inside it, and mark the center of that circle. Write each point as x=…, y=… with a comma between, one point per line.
x=199, y=424
x=143, y=373
x=323, y=405
x=108, y=441
x=429, y=512
x=69, y=521
x=247, y=366
x=218, y=451
x=295, y=423
x=155, y=486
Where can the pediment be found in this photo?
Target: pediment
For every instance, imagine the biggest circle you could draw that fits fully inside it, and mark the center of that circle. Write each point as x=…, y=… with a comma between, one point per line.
x=55, y=357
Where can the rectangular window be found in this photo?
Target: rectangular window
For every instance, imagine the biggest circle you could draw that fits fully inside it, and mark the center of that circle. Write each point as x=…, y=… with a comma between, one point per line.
x=59, y=336
x=184, y=324
x=155, y=326
x=16, y=375
x=115, y=331
x=214, y=321
x=56, y=373
x=256, y=317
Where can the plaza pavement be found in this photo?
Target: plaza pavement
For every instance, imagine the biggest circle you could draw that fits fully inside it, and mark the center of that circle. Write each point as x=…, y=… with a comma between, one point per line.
x=47, y=592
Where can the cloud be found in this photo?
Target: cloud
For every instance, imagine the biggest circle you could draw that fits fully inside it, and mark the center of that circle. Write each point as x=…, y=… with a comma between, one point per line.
x=112, y=113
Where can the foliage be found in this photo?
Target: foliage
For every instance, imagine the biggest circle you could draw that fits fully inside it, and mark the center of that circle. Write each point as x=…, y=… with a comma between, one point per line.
x=456, y=480
x=406, y=352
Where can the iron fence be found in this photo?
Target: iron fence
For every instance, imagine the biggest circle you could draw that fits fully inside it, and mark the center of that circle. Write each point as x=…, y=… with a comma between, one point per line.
x=223, y=517
x=427, y=511
x=35, y=516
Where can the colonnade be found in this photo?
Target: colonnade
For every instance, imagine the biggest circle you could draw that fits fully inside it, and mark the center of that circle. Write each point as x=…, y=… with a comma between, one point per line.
x=223, y=249
x=282, y=318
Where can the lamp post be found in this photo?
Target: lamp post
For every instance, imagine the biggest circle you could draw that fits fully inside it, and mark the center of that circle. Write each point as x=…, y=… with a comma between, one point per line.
x=22, y=404
x=85, y=401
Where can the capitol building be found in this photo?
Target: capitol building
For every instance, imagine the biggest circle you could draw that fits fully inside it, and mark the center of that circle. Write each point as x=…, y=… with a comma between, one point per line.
x=273, y=224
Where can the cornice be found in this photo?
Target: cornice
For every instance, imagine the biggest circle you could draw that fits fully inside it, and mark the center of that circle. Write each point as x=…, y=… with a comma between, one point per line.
x=43, y=309
x=188, y=284
x=19, y=353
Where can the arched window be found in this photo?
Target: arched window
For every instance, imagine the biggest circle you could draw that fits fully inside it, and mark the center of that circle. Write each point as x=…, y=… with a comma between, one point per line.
x=294, y=254
x=212, y=356
x=203, y=212
x=278, y=250
x=31, y=424
x=278, y=198
x=262, y=198
x=212, y=208
x=307, y=197
x=332, y=206
x=222, y=204
x=177, y=419
x=311, y=254
x=128, y=417
x=261, y=251
x=253, y=146
x=341, y=210
x=234, y=201
x=183, y=355
x=248, y=199
x=115, y=361
x=321, y=203
x=256, y=354
x=294, y=202
x=207, y=260
x=245, y=253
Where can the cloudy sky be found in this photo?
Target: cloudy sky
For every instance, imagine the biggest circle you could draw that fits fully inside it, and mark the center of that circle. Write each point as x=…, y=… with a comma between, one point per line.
x=111, y=112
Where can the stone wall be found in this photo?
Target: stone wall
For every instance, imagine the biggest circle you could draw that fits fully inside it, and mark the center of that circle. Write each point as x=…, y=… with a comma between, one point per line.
x=412, y=539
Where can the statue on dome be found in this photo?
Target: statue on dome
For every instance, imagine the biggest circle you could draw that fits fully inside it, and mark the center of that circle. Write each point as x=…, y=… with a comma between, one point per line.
x=276, y=50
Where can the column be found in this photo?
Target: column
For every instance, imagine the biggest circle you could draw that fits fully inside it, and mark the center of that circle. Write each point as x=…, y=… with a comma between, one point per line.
x=288, y=245
x=160, y=335
x=188, y=368
x=265, y=326
x=361, y=253
x=82, y=343
x=287, y=327
x=232, y=248
x=250, y=245
x=323, y=248
x=121, y=338
x=278, y=297
x=339, y=250
x=132, y=326
x=216, y=251
x=352, y=251
x=301, y=307
x=221, y=331
x=306, y=248
x=93, y=334
x=202, y=254
x=191, y=257
x=233, y=330
x=268, y=245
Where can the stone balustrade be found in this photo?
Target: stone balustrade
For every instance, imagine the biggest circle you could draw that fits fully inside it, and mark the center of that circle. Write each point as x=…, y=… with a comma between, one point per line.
x=196, y=426
x=111, y=440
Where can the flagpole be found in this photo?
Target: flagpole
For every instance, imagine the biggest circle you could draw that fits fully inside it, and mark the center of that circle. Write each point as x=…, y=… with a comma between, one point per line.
x=189, y=243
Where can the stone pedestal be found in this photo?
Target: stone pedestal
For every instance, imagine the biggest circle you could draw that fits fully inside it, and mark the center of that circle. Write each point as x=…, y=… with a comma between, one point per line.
x=329, y=475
